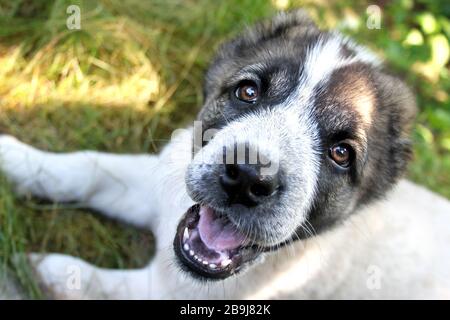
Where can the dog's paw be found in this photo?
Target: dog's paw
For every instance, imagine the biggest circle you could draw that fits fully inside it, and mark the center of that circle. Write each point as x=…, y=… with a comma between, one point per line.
x=18, y=162
x=9, y=143
x=12, y=156
x=63, y=277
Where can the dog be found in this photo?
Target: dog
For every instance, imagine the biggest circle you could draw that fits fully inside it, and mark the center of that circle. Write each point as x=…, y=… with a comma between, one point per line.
x=288, y=186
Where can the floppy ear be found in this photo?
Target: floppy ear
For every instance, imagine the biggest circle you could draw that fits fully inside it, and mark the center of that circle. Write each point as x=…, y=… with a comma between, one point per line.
x=290, y=24
x=390, y=139
x=285, y=23
x=403, y=110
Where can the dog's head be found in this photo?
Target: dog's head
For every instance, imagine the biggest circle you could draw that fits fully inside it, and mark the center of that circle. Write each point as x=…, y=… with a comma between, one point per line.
x=299, y=128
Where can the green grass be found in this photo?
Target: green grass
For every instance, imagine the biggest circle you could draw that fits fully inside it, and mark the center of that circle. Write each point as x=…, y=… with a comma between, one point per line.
x=133, y=73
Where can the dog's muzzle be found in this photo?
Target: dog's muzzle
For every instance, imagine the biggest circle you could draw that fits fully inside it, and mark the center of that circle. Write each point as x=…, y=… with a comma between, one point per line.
x=213, y=239
x=210, y=245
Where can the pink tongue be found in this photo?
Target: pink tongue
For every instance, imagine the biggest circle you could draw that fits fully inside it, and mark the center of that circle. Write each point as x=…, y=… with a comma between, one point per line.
x=216, y=233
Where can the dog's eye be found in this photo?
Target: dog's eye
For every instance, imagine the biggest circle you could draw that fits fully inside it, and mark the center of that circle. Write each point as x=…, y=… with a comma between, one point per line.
x=247, y=91
x=342, y=154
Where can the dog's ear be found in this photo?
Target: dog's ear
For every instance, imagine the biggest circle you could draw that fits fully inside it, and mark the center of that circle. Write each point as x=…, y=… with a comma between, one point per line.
x=400, y=103
x=390, y=138
x=293, y=23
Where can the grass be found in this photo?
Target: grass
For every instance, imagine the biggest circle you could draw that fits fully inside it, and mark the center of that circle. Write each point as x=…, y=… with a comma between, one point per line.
x=133, y=73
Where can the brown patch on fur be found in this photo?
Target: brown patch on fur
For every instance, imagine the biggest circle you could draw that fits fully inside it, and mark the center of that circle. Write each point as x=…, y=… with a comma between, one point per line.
x=355, y=91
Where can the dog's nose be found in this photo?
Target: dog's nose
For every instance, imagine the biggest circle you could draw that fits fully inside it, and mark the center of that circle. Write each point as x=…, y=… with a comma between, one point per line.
x=244, y=185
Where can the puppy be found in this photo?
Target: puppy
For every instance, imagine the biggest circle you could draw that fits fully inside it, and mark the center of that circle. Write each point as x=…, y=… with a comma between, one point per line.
x=287, y=186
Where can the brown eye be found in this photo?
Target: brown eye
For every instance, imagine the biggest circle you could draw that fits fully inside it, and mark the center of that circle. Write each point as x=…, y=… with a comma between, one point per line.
x=342, y=154
x=247, y=91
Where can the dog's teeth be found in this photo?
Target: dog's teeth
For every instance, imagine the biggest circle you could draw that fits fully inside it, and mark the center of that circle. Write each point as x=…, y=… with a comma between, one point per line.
x=212, y=266
x=186, y=247
x=185, y=234
x=225, y=263
x=196, y=257
x=191, y=253
x=205, y=262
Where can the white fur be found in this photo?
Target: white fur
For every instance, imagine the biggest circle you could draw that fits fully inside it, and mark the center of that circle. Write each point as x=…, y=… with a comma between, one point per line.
x=396, y=248
x=323, y=58
x=263, y=132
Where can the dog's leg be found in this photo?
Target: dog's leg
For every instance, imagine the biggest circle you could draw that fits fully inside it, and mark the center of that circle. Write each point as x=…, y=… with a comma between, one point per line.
x=136, y=189
x=66, y=277
x=120, y=186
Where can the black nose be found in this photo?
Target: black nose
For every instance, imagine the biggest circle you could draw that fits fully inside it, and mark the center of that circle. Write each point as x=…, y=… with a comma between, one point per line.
x=245, y=185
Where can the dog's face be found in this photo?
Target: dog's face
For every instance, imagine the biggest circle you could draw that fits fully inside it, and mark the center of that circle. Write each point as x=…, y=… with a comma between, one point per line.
x=300, y=127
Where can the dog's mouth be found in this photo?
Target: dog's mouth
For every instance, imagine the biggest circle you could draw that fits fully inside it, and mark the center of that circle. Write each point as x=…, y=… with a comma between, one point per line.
x=210, y=245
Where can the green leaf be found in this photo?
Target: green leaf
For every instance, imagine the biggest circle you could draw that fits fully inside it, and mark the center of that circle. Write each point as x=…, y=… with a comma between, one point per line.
x=439, y=119
x=440, y=50
x=428, y=23
x=445, y=143
x=414, y=38
x=425, y=134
